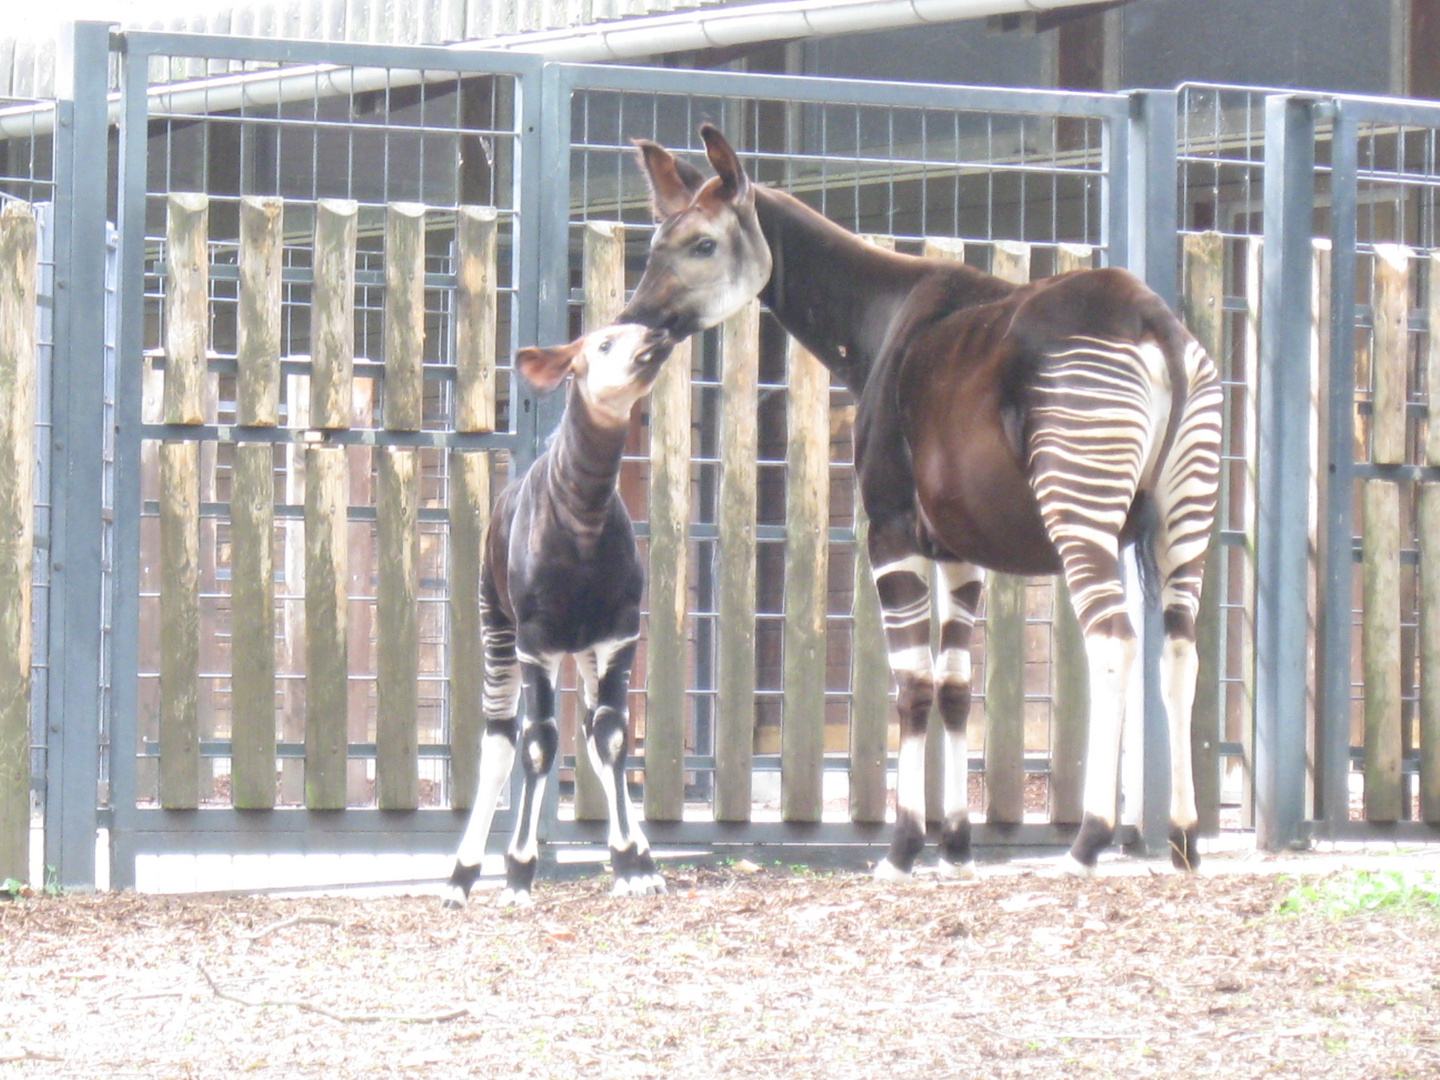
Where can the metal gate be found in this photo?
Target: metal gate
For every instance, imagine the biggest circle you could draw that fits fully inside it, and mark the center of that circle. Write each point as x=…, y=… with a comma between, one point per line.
x=236, y=155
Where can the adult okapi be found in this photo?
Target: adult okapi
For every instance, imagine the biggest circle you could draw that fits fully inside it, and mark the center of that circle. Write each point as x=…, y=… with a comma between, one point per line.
x=561, y=575
x=1028, y=429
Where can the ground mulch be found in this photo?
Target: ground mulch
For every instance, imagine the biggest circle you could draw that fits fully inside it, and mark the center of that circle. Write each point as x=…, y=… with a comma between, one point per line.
x=738, y=972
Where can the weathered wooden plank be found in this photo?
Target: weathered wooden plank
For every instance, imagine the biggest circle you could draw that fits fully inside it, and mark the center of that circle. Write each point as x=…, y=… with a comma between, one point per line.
x=1072, y=257
x=870, y=677
x=935, y=247
x=1005, y=642
x=870, y=683
x=1429, y=534
x=252, y=633
x=180, y=625
x=257, y=347
x=469, y=516
x=735, y=587
x=404, y=315
x=475, y=314
x=17, y=528
x=1380, y=649
x=332, y=313
x=187, y=317
x=326, y=623
x=1319, y=450
x=397, y=591
x=1203, y=308
x=1249, y=411
x=604, y=284
x=1429, y=646
x=1390, y=360
x=667, y=702
x=807, y=523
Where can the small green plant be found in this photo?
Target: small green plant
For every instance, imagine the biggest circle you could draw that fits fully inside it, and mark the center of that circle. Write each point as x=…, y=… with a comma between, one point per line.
x=13, y=888
x=1355, y=892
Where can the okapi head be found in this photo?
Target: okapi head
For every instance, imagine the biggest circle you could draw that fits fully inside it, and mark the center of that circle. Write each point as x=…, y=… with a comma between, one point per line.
x=708, y=256
x=614, y=367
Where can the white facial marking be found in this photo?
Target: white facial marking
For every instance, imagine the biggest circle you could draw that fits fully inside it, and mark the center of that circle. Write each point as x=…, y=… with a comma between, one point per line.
x=610, y=380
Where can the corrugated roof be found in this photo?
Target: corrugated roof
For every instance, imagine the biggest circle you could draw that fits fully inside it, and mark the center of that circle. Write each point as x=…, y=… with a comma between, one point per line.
x=27, y=64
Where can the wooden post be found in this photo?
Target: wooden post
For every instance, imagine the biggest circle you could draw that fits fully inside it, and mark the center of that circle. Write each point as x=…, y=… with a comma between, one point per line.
x=326, y=621
x=397, y=775
x=870, y=678
x=17, y=528
x=475, y=307
x=180, y=625
x=604, y=285
x=1250, y=377
x=1380, y=645
x=1429, y=528
x=1203, y=306
x=252, y=635
x=187, y=322
x=469, y=517
x=668, y=641
x=735, y=587
x=332, y=313
x=1005, y=644
x=1390, y=360
x=404, y=315
x=258, y=332
x=807, y=526
x=1070, y=670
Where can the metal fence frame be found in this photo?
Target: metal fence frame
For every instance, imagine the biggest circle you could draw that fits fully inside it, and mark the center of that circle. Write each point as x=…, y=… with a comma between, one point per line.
x=1140, y=230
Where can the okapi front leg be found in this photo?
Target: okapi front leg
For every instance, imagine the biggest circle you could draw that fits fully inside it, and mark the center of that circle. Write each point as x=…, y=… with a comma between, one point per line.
x=905, y=609
x=539, y=742
x=605, y=671
x=958, y=590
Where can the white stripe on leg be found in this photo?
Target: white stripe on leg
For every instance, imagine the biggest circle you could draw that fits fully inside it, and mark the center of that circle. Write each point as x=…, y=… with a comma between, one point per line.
x=1110, y=660
x=1179, y=667
x=497, y=757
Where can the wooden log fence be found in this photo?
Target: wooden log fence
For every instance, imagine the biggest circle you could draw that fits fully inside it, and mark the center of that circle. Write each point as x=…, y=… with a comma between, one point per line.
x=1011, y=604
x=18, y=257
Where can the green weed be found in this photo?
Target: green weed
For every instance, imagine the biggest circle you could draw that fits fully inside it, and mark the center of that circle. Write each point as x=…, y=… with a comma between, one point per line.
x=1355, y=892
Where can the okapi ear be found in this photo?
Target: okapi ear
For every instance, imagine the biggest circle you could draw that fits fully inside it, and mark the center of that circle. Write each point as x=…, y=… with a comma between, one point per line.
x=545, y=369
x=671, y=182
x=735, y=185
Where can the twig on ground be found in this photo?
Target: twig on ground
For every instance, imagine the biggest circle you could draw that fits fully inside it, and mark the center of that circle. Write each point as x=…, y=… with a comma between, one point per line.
x=27, y=1055
x=320, y=920
x=343, y=1018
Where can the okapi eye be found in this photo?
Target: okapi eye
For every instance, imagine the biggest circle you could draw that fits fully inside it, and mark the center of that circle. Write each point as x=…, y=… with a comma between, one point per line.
x=704, y=248
x=605, y=345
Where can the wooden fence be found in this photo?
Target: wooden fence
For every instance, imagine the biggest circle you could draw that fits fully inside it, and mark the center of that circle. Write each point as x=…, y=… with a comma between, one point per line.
x=1031, y=699
x=17, y=471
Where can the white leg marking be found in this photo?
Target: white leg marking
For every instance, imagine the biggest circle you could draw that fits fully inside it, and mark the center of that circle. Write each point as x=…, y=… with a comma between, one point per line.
x=497, y=757
x=1072, y=867
x=909, y=796
x=1110, y=659
x=1179, y=666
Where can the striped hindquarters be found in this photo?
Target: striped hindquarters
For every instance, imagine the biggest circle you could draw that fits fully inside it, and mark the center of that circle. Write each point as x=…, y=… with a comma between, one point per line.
x=1097, y=414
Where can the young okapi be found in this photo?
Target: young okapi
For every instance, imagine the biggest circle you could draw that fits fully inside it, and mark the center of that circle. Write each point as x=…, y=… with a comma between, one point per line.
x=1027, y=429
x=561, y=575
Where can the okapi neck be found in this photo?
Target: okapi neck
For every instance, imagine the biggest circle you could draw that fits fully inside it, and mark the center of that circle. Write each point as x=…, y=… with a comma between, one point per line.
x=833, y=291
x=589, y=453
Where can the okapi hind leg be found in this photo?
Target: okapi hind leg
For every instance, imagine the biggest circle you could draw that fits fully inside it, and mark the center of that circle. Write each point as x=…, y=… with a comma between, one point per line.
x=539, y=743
x=958, y=592
x=605, y=672
x=902, y=583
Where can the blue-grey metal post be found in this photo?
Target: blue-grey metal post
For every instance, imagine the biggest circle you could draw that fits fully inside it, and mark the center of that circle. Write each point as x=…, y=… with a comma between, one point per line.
x=78, y=412
x=134, y=110
x=1154, y=244
x=1282, y=473
x=1337, y=486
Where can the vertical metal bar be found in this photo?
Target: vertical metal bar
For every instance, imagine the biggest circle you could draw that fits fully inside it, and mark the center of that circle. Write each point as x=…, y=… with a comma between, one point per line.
x=1155, y=256
x=128, y=384
x=1282, y=472
x=544, y=274
x=1337, y=486
x=78, y=413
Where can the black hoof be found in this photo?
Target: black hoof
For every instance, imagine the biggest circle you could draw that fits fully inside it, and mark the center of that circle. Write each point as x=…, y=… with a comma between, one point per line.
x=1094, y=836
x=1185, y=847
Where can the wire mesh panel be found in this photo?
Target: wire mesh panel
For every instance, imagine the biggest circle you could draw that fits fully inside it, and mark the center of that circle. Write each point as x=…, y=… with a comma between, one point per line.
x=1382, y=737
x=329, y=267
x=975, y=175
